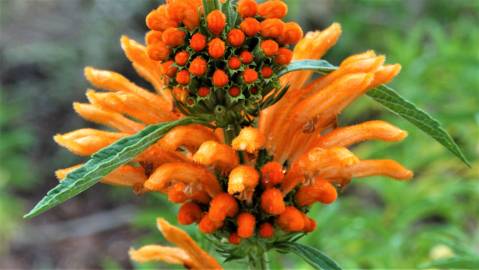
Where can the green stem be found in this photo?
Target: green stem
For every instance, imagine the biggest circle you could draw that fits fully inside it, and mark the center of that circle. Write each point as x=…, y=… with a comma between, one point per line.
x=260, y=261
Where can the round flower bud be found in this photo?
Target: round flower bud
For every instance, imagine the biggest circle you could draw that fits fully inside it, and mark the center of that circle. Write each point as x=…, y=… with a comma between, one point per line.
x=181, y=58
x=169, y=69
x=234, y=239
x=236, y=37
x=273, y=9
x=216, y=21
x=234, y=62
x=309, y=224
x=291, y=220
x=153, y=37
x=284, y=56
x=183, y=77
x=320, y=190
x=173, y=37
x=247, y=8
x=220, y=78
x=292, y=33
x=266, y=72
x=269, y=47
x=250, y=75
x=216, y=48
x=272, y=201
x=250, y=26
x=189, y=213
x=203, y=91
x=208, y=226
x=272, y=174
x=272, y=28
x=221, y=206
x=159, y=20
x=198, y=42
x=246, y=57
x=158, y=51
x=234, y=91
x=176, y=193
x=198, y=66
x=246, y=225
x=266, y=230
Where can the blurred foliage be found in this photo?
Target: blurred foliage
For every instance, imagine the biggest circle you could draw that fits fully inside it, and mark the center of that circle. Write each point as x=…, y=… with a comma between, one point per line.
x=376, y=223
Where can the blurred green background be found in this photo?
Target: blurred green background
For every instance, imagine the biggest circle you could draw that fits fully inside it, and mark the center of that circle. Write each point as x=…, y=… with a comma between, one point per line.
x=377, y=223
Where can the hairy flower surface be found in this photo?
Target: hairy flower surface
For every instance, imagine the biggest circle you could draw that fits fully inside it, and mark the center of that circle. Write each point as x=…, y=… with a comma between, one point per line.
x=255, y=179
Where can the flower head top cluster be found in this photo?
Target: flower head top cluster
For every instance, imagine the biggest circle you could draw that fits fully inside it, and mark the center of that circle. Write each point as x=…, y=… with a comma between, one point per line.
x=247, y=184
x=221, y=59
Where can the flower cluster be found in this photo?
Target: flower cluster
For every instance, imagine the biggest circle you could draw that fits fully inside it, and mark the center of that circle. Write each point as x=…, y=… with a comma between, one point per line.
x=223, y=57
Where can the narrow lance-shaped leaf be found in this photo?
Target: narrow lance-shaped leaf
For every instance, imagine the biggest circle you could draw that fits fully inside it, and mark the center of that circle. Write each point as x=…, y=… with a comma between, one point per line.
x=390, y=99
x=314, y=257
x=105, y=161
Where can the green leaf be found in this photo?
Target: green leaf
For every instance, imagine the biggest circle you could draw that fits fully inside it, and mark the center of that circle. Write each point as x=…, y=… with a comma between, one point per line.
x=314, y=257
x=458, y=262
x=105, y=161
x=390, y=99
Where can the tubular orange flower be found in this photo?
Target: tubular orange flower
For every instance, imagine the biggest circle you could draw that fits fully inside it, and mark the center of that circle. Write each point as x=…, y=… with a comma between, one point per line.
x=272, y=201
x=292, y=33
x=273, y=9
x=284, y=56
x=247, y=8
x=291, y=220
x=321, y=190
x=272, y=174
x=243, y=180
x=169, y=69
x=220, y=78
x=198, y=42
x=158, y=51
x=272, y=28
x=176, y=193
x=152, y=37
x=181, y=58
x=250, y=26
x=216, y=22
x=159, y=20
x=208, y=226
x=266, y=230
x=216, y=48
x=269, y=47
x=249, y=139
x=236, y=37
x=189, y=213
x=221, y=206
x=198, y=66
x=173, y=37
x=250, y=75
x=246, y=225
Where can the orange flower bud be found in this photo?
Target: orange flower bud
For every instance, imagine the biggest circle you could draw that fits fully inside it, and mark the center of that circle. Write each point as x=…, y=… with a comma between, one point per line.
x=247, y=8
x=291, y=220
x=234, y=91
x=198, y=66
x=254, y=90
x=189, y=213
x=176, y=10
x=192, y=18
x=183, y=77
x=272, y=174
x=180, y=93
x=246, y=57
x=176, y=193
x=272, y=201
x=173, y=37
x=169, y=69
x=321, y=190
x=292, y=33
x=329, y=194
x=208, y=226
x=198, y=42
x=221, y=206
x=236, y=37
x=266, y=72
x=158, y=51
x=250, y=26
x=266, y=230
x=216, y=21
x=272, y=28
x=269, y=47
x=203, y=91
x=216, y=48
x=220, y=78
x=246, y=225
x=250, y=75
x=234, y=239
x=234, y=62
x=273, y=9
x=153, y=37
x=284, y=56
x=158, y=19
x=309, y=224
x=181, y=58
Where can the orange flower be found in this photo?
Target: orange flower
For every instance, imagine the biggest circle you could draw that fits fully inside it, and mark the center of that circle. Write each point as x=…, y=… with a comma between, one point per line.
x=173, y=37
x=158, y=51
x=234, y=239
x=269, y=47
x=247, y=8
x=273, y=9
x=291, y=220
x=284, y=56
x=198, y=66
x=159, y=20
x=236, y=37
x=234, y=91
x=321, y=190
x=203, y=91
x=189, y=213
x=272, y=174
x=250, y=75
x=266, y=72
x=234, y=62
x=183, y=77
x=309, y=224
x=177, y=194
x=169, y=69
x=272, y=201
x=181, y=58
x=216, y=21
x=153, y=37
x=292, y=33
x=266, y=230
x=198, y=42
x=208, y=226
x=250, y=26
x=246, y=57
x=221, y=206
x=246, y=225
x=220, y=78
x=272, y=28
x=216, y=48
